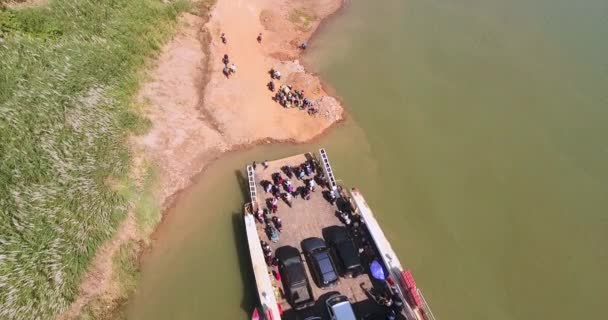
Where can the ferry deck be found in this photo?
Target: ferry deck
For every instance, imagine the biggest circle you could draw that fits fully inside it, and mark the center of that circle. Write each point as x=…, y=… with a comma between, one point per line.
x=312, y=218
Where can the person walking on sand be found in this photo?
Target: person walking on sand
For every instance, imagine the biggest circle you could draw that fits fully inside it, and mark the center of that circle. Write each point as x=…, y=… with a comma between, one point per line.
x=233, y=68
x=265, y=164
x=254, y=165
x=259, y=38
x=223, y=37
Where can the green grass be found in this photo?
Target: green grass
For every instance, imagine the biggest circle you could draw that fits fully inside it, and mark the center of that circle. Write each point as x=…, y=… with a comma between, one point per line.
x=147, y=212
x=125, y=264
x=68, y=73
x=302, y=18
x=127, y=268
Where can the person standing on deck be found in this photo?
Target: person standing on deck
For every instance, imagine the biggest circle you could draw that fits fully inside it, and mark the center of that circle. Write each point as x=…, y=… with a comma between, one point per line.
x=260, y=215
x=308, y=169
x=276, y=191
x=289, y=172
x=274, y=205
x=278, y=223
x=332, y=197
x=288, y=198
x=306, y=194
x=345, y=218
x=311, y=185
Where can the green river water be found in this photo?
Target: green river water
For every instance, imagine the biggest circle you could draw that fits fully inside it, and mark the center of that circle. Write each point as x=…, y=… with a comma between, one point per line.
x=478, y=133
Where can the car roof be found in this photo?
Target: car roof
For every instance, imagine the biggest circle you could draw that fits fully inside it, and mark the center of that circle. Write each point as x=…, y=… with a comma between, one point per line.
x=313, y=244
x=348, y=254
x=323, y=260
x=337, y=234
x=296, y=272
x=344, y=311
x=342, y=308
x=288, y=255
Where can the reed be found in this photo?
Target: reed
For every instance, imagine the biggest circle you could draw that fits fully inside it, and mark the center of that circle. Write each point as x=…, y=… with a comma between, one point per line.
x=68, y=74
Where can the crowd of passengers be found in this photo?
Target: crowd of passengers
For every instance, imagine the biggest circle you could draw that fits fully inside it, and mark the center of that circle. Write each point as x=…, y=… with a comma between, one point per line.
x=281, y=188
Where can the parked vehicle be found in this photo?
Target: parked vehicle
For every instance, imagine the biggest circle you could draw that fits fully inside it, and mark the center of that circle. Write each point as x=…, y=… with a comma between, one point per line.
x=295, y=281
x=345, y=252
x=320, y=261
x=339, y=308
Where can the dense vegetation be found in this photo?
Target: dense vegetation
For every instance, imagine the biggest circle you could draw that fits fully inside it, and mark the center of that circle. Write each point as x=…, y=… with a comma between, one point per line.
x=68, y=73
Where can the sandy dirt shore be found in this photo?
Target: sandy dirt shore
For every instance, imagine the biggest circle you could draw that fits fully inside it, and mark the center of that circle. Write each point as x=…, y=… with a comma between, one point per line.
x=198, y=114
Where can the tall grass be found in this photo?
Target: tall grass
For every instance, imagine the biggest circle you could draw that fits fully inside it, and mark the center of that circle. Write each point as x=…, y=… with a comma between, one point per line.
x=68, y=72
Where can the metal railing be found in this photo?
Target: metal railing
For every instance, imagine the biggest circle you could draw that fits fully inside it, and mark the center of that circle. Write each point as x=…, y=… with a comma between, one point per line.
x=252, y=190
x=427, y=310
x=329, y=173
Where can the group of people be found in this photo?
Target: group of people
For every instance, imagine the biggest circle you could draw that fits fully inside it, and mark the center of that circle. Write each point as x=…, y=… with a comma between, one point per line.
x=274, y=224
x=287, y=97
x=230, y=68
x=268, y=256
x=282, y=188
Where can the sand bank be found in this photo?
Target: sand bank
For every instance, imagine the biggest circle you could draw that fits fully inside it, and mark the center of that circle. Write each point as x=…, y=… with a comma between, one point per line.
x=198, y=113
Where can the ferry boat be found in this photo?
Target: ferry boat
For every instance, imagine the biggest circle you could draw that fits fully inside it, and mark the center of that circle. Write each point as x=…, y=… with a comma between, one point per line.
x=317, y=251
